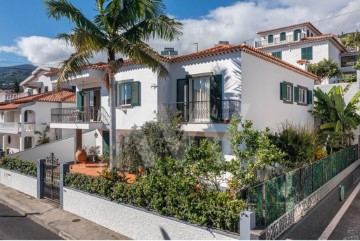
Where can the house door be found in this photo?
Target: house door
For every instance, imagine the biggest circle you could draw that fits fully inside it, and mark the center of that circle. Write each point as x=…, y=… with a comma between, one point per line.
x=92, y=101
x=200, y=111
x=27, y=142
x=106, y=142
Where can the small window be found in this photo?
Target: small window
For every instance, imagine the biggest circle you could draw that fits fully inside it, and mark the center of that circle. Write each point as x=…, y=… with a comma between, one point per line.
x=277, y=54
x=307, y=33
x=302, y=96
x=270, y=38
x=283, y=36
x=46, y=89
x=39, y=91
x=129, y=94
x=286, y=92
x=307, y=53
x=297, y=33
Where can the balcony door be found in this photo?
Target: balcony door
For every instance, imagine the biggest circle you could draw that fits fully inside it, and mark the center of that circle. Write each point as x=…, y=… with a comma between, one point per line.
x=200, y=102
x=92, y=103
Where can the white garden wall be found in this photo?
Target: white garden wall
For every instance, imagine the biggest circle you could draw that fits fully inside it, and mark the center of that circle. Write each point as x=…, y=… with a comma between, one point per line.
x=134, y=222
x=20, y=182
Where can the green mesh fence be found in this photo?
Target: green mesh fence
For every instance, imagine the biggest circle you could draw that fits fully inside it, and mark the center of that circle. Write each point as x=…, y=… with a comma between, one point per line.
x=275, y=199
x=327, y=169
x=255, y=202
x=284, y=192
x=293, y=189
x=306, y=180
x=318, y=174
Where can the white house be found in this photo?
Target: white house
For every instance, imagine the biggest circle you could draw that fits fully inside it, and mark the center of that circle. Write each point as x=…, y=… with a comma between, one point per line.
x=207, y=88
x=301, y=43
x=21, y=117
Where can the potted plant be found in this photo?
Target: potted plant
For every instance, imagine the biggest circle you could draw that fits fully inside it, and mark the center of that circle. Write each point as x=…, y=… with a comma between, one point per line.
x=80, y=155
x=93, y=153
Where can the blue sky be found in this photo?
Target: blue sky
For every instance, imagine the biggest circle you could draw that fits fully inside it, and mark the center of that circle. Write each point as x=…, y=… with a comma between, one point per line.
x=26, y=33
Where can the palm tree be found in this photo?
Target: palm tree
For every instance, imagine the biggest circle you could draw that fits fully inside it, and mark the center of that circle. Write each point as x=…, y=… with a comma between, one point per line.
x=120, y=26
x=337, y=117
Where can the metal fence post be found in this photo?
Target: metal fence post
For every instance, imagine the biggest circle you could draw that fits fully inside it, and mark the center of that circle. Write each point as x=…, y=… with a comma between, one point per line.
x=247, y=222
x=40, y=178
x=64, y=168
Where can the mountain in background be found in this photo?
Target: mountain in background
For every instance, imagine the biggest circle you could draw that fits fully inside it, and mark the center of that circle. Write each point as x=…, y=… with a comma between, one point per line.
x=10, y=74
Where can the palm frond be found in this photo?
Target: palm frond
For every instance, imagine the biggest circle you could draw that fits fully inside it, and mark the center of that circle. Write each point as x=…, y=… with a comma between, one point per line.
x=72, y=66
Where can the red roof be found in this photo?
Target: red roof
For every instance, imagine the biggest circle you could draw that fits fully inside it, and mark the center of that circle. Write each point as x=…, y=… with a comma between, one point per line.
x=64, y=95
x=308, y=24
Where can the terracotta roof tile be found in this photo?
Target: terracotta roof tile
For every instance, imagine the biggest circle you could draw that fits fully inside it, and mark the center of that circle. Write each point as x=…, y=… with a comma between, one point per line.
x=291, y=26
x=10, y=106
x=61, y=96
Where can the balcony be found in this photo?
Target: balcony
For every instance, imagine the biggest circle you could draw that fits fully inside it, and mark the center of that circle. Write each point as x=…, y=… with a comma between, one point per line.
x=277, y=41
x=205, y=112
x=78, y=117
x=12, y=96
x=15, y=128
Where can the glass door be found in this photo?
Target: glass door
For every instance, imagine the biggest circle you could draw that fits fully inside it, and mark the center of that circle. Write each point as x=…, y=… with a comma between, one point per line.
x=200, y=100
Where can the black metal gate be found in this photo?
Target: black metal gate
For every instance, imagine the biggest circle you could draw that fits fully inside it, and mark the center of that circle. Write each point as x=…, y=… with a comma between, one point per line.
x=52, y=178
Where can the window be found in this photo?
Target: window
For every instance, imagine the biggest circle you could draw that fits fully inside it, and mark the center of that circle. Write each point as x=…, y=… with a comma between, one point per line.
x=39, y=91
x=307, y=33
x=270, y=38
x=283, y=36
x=277, y=54
x=348, y=61
x=129, y=94
x=302, y=95
x=46, y=89
x=286, y=92
x=297, y=33
x=307, y=53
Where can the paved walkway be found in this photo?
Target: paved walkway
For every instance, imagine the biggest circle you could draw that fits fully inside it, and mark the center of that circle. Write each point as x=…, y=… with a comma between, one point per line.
x=348, y=226
x=47, y=214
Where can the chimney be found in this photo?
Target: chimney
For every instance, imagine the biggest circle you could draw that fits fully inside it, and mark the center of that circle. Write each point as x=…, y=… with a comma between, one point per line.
x=222, y=43
x=169, y=52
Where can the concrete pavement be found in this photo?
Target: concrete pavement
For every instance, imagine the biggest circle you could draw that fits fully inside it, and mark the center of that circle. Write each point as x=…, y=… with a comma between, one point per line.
x=47, y=214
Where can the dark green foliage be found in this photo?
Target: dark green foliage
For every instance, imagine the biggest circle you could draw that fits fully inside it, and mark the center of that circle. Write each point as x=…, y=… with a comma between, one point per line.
x=299, y=143
x=326, y=68
x=170, y=189
x=16, y=87
x=15, y=164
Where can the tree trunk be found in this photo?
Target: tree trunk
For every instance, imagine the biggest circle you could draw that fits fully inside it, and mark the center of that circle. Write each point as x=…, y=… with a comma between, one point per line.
x=112, y=123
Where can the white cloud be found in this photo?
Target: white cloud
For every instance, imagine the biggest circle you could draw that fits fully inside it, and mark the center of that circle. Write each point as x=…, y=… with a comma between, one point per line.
x=236, y=23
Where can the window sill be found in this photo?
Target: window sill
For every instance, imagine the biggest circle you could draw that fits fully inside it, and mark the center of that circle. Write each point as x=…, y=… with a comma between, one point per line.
x=127, y=106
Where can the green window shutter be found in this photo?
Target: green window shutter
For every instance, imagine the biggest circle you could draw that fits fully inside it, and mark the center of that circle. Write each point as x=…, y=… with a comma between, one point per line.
x=79, y=99
x=182, y=98
x=283, y=36
x=283, y=91
x=303, y=53
x=309, y=53
x=216, y=98
x=135, y=93
x=309, y=97
x=296, y=94
x=297, y=33
x=270, y=38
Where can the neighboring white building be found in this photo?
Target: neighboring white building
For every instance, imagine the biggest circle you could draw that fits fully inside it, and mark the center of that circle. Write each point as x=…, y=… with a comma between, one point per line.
x=20, y=117
x=301, y=43
x=207, y=87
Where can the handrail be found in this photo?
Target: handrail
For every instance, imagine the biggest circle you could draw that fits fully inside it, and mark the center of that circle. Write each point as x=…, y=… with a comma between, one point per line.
x=79, y=115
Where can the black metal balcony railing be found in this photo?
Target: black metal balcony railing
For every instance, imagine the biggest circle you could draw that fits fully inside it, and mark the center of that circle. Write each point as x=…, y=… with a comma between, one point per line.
x=79, y=115
x=205, y=111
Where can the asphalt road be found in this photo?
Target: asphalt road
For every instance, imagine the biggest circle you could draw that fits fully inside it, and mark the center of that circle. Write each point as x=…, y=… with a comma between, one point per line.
x=348, y=228
x=13, y=225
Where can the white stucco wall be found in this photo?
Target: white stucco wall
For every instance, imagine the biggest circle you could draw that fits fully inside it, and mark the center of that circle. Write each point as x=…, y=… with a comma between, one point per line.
x=20, y=182
x=133, y=222
x=261, y=94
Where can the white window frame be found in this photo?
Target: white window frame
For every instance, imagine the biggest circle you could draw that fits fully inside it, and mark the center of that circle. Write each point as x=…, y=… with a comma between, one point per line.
x=289, y=90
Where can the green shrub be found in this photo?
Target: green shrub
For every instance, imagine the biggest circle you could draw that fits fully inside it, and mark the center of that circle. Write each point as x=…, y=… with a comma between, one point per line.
x=298, y=142
x=15, y=164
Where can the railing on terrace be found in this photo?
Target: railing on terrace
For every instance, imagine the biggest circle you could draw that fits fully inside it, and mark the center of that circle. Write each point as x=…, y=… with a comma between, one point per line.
x=12, y=96
x=11, y=127
x=205, y=111
x=275, y=197
x=264, y=43
x=79, y=115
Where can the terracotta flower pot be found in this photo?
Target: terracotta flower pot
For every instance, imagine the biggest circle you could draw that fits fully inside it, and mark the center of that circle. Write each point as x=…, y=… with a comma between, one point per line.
x=197, y=187
x=81, y=156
